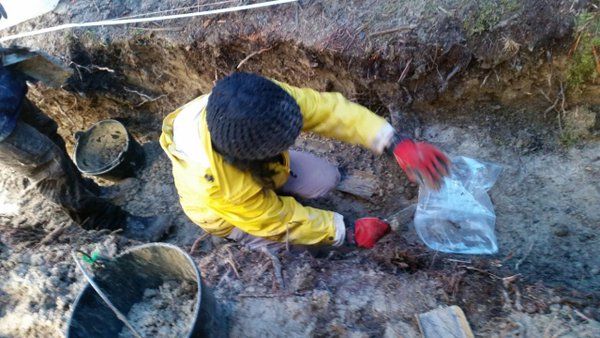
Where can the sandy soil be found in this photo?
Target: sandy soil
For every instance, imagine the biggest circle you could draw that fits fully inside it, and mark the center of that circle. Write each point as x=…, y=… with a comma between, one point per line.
x=163, y=312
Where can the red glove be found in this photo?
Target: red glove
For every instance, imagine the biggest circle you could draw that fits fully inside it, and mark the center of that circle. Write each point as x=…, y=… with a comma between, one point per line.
x=368, y=230
x=422, y=162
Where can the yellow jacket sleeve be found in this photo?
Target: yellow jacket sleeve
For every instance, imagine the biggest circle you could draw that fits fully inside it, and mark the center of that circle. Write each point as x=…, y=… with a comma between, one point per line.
x=332, y=115
x=261, y=212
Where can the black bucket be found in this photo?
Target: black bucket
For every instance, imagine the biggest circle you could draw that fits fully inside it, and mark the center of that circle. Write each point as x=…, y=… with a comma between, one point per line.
x=124, y=280
x=108, y=150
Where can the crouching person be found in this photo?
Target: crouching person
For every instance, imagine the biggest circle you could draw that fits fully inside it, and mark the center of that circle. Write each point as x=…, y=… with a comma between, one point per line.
x=237, y=178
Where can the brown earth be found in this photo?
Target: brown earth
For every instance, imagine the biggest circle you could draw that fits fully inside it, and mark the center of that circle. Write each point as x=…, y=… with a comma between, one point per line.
x=474, y=77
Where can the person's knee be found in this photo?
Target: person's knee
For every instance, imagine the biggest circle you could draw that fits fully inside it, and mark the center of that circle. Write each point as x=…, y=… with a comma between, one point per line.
x=329, y=178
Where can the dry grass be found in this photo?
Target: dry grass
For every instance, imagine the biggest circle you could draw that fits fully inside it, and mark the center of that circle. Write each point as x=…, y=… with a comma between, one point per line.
x=510, y=46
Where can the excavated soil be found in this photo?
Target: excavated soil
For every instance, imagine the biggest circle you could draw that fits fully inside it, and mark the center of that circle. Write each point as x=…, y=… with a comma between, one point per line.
x=488, y=84
x=166, y=311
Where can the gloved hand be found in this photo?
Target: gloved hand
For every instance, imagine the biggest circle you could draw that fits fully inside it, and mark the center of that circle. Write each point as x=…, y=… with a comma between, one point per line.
x=369, y=230
x=422, y=162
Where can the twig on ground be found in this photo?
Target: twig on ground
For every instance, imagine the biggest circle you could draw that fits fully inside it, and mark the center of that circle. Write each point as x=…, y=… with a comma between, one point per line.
x=575, y=45
x=59, y=107
x=545, y=95
x=360, y=29
x=551, y=107
x=484, y=80
x=152, y=100
x=518, y=305
x=562, y=107
x=224, y=279
x=505, y=22
x=114, y=232
x=453, y=72
x=596, y=52
x=433, y=259
x=252, y=55
x=445, y=11
x=507, y=302
x=524, y=256
x=159, y=29
x=506, y=281
x=146, y=98
x=577, y=312
x=276, y=266
x=393, y=30
x=231, y=262
x=457, y=260
x=97, y=8
x=106, y=69
x=562, y=96
x=481, y=271
x=198, y=241
x=90, y=67
x=405, y=71
x=261, y=271
x=103, y=232
x=52, y=235
x=77, y=66
x=294, y=294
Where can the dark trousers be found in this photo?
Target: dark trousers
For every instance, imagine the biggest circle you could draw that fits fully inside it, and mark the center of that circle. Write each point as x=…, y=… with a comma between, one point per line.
x=35, y=150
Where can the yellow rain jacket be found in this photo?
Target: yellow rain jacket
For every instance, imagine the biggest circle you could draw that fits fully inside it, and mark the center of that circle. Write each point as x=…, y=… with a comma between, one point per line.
x=217, y=196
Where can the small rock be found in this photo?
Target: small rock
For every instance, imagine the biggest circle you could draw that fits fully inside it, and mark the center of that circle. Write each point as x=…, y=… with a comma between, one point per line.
x=561, y=230
x=150, y=292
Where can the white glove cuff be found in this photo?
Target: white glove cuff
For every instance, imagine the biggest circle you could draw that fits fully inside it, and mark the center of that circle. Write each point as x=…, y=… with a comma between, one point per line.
x=340, y=229
x=383, y=138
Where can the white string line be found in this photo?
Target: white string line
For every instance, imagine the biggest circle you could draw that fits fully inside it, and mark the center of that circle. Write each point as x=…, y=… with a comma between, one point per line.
x=138, y=20
x=177, y=9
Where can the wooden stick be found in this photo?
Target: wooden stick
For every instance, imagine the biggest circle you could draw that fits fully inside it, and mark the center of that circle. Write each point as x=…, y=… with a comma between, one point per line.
x=276, y=266
x=393, y=30
x=197, y=242
x=52, y=235
x=597, y=57
x=252, y=55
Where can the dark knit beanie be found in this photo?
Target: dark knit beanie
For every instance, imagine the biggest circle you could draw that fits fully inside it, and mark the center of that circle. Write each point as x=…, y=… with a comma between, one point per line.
x=251, y=118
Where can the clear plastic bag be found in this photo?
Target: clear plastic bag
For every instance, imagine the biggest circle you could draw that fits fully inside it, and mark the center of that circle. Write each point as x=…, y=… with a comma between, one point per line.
x=460, y=218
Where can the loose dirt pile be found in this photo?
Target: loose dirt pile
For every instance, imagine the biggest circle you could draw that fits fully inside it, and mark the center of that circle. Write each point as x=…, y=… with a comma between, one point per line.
x=163, y=312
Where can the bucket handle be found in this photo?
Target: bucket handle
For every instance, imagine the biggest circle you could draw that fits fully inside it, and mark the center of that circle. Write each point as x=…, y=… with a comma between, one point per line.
x=78, y=135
